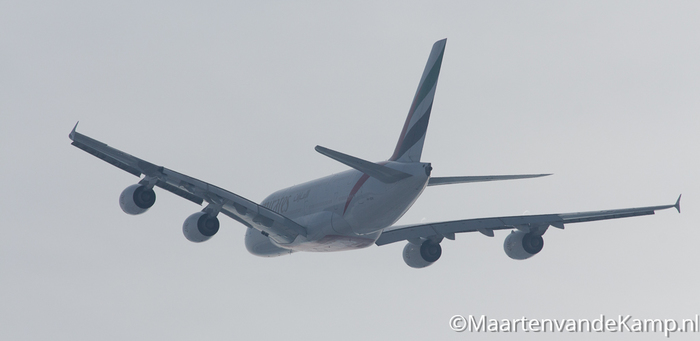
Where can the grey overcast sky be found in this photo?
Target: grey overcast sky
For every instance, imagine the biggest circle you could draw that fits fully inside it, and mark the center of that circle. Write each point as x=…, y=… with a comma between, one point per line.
x=605, y=95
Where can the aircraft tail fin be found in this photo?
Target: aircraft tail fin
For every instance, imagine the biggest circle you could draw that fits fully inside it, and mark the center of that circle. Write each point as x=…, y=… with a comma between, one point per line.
x=410, y=144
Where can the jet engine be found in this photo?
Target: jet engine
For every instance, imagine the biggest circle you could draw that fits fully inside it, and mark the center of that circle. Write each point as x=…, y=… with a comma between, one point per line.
x=260, y=245
x=200, y=227
x=137, y=199
x=420, y=256
x=521, y=245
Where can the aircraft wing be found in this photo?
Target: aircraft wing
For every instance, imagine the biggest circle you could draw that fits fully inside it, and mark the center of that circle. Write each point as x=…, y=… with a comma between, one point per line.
x=526, y=223
x=248, y=213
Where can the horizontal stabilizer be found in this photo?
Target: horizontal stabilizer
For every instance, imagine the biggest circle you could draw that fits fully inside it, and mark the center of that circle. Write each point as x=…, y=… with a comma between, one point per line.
x=434, y=181
x=377, y=171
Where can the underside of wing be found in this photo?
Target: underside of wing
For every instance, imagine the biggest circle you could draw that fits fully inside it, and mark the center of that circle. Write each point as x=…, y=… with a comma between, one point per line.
x=448, y=229
x=524, y=241
x=250, y=214
x=527, y=223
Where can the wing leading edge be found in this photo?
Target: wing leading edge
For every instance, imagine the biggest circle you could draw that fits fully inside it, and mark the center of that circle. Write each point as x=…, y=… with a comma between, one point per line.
x=247, y=212
x=526, y=223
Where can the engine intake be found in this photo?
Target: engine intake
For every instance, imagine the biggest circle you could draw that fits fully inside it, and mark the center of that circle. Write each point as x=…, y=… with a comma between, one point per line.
x=521, y=245
x=199, y=227
x=137, y=199
x=420, y=256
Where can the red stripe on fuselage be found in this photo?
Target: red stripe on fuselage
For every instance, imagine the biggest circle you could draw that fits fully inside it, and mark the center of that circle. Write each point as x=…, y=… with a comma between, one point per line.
x=357, y=186
x=354, y=190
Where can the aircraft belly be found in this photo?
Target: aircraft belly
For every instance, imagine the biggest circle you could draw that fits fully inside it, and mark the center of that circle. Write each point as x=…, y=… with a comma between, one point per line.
x=332, y=243
x=346, y=211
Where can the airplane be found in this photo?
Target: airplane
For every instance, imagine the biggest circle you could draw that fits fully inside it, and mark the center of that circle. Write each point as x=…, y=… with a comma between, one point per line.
x=350, y=210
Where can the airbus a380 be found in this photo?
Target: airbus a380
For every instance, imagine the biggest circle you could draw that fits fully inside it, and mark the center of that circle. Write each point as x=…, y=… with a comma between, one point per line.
x=349, y=210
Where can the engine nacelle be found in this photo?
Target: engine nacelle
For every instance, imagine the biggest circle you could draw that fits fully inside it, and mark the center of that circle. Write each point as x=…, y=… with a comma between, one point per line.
x=260, y=245
x=137, y=199
x=521, y=245
x=421, y=256
x=200, y=227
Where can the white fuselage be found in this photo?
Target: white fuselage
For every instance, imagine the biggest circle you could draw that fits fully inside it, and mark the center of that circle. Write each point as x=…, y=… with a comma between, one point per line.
x=342, y=211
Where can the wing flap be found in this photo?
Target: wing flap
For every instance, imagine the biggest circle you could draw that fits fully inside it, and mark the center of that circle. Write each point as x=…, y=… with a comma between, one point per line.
x=180, y=192
x=111, y=160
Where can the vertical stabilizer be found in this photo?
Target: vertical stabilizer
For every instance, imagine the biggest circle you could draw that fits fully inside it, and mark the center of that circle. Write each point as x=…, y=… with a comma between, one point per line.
x=410, y=145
